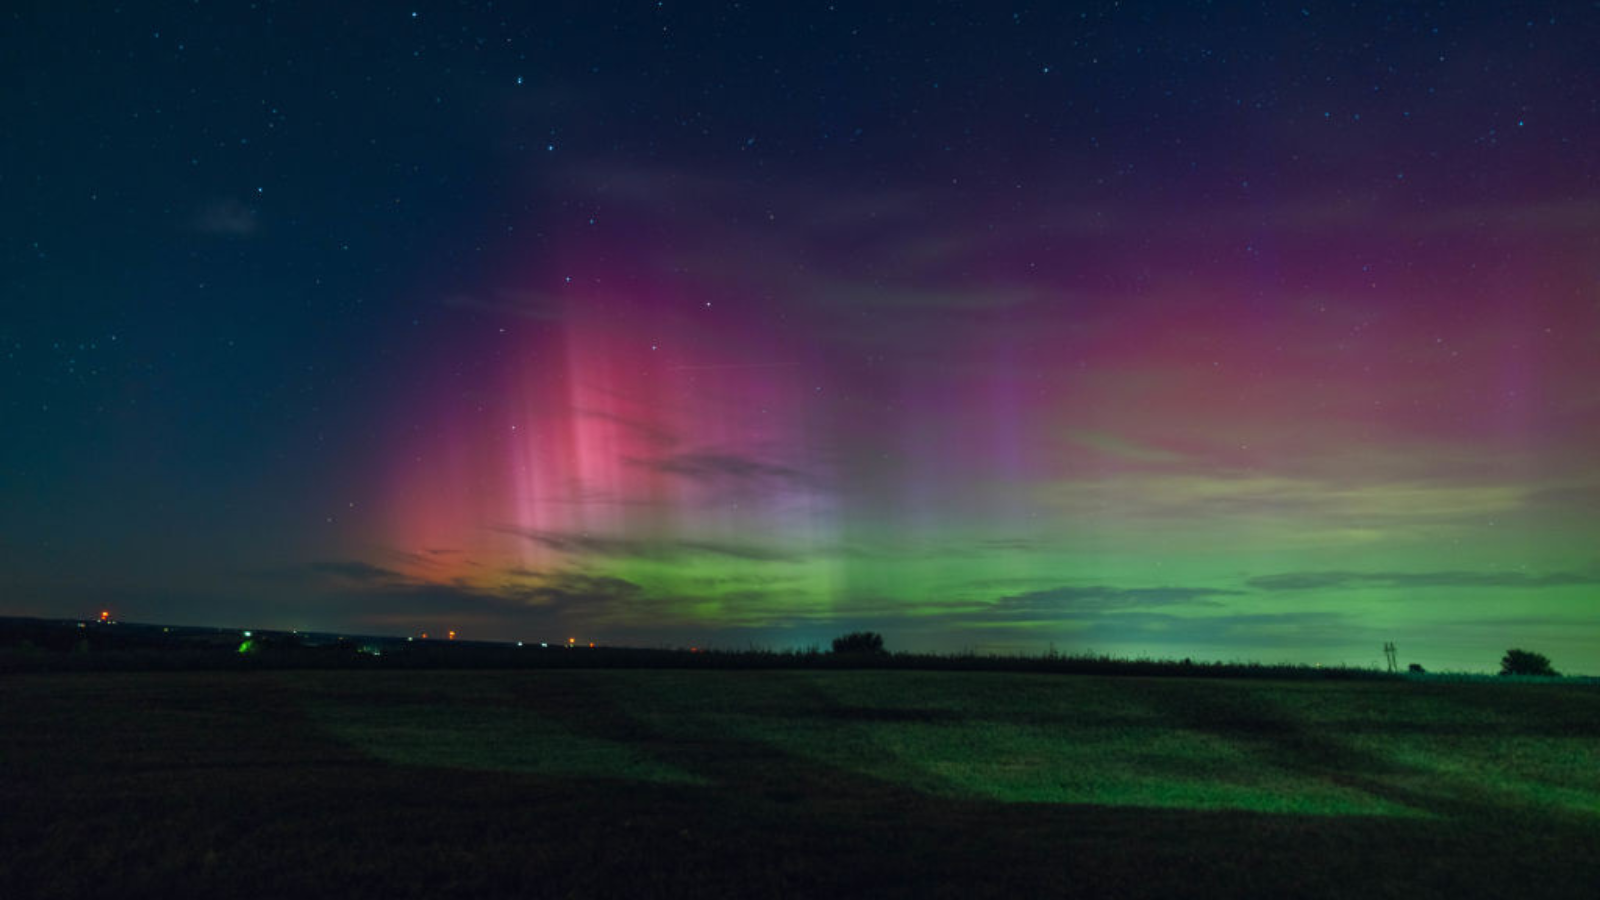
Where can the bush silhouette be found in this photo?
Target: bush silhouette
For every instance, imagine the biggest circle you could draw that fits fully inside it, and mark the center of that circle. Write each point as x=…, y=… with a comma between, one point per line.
x=1417, y=669
x=859, y=642
x=1526, y=662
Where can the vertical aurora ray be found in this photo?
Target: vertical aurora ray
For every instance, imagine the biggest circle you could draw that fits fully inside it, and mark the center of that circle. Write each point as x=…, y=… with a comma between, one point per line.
x=1271, y=426
x=1213, y=334
x=627, y=445
x=1141, y=472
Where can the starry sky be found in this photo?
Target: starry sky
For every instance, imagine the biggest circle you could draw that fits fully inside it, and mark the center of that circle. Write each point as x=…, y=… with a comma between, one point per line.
x=1235, y=332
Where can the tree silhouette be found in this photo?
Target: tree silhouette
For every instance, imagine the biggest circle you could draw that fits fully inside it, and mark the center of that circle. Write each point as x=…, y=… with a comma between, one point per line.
x=859, y=642
x=1526, y=662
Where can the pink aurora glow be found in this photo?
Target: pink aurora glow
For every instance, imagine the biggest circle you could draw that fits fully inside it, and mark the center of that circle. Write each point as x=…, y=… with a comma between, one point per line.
x=618, y=422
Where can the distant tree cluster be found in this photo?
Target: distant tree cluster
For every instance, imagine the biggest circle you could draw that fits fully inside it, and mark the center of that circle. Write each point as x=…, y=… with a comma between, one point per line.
x=863, y=642
x=1526, y=662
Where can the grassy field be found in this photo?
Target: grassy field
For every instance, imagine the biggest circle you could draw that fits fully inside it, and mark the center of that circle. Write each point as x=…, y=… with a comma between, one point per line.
x=768, y=784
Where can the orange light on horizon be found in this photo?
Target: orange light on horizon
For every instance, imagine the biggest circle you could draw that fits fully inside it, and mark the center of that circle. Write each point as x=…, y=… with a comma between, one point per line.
x=452, y=635
x=105, y=614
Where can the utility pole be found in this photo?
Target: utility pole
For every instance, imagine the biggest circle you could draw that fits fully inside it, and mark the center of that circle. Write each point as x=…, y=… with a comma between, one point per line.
x=1389, y=652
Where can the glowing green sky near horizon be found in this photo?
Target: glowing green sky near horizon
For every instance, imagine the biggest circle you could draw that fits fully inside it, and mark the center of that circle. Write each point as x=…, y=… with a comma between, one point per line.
x=1216, y=334
x=1156, y=481
x=1205, y=467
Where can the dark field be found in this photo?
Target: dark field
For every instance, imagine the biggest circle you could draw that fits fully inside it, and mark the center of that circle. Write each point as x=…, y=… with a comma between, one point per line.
x=766, y=784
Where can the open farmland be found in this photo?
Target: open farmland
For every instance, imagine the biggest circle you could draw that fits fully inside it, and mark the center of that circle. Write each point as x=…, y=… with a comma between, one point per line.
x=765, y=784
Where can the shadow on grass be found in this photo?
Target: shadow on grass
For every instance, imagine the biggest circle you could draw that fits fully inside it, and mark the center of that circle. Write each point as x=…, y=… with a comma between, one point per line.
x=1279, y=738
x=170, y=785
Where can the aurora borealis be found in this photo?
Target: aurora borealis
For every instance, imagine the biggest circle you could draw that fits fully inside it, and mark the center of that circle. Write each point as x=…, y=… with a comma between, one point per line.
x=1147, y=330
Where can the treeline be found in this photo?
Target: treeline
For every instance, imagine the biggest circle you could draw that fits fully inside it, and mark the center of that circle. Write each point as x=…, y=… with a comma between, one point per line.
x=46, y=645
x=35, y=645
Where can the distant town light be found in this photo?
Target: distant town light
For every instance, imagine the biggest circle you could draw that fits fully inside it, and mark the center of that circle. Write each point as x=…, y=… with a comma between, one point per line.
x=248, y=634
x=452, y=635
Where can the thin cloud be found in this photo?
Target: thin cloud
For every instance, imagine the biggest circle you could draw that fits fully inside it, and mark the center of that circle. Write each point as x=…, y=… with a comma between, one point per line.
x=567, y=588
x=718, y=467
x=1099, y=598
x=1337, y=580
x=374, y=593
x=583, y=544
x=355, y=570
x=647, y=430
x=227, y=217
x=536, y=306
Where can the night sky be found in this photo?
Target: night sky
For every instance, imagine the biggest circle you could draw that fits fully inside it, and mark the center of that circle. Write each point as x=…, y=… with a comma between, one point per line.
x=1230, y=332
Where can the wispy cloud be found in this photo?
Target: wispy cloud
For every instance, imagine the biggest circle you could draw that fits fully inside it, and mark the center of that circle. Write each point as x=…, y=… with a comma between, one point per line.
x=561, y=588
x=523, y=304
x=1336, y=580
x=226, y=217
x=1327, y=501
x=355, y=570
x=655, y=434
x=358, y=591
x=584, y=544
x=1099, y=598
x=724, y=611
x=708, y=466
